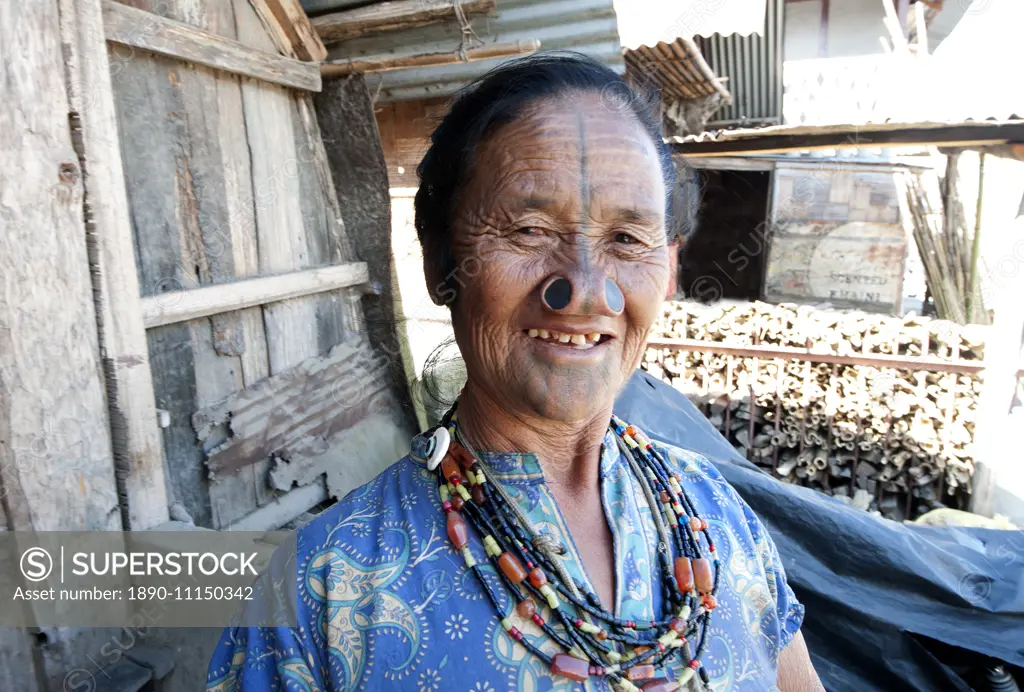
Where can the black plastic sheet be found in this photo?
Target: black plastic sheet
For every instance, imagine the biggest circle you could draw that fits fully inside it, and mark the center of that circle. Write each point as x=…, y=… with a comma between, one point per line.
x=890, y=606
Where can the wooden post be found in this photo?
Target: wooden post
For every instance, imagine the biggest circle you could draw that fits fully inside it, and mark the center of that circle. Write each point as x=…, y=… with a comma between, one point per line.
x=138, y=454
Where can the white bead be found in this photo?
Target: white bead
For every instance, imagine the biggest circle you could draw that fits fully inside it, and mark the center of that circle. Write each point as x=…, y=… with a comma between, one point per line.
x=441, y=442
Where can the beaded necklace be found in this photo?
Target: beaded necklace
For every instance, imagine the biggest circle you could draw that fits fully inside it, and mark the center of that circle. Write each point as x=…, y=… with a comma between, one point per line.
x=594, y=642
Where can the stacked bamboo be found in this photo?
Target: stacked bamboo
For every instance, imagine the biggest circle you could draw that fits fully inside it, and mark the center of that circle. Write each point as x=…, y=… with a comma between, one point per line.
x=875, y=410
x=949, y=251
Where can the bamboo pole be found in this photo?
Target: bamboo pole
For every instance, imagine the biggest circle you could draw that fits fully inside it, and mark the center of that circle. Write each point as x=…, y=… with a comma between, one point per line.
x=975, y=303
x=340, y=68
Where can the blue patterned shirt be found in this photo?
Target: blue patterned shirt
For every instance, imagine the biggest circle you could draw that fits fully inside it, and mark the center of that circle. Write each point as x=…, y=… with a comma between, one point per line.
x=385, y=602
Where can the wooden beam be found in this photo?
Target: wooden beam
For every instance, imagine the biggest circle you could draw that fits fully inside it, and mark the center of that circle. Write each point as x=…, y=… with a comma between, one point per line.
x=137, y=445
x=394, y=15
x=856, y=137
x=788, y=353
x=340, y=68
x=290, y=29
x=140, y=29
x=181, y=306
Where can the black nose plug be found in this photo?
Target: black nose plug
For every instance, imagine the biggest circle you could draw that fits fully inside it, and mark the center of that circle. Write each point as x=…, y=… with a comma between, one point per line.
x=613, y=296
x=557, y=294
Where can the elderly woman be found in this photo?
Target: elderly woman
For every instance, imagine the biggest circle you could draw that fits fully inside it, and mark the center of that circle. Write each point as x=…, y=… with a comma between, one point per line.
x=534, y=541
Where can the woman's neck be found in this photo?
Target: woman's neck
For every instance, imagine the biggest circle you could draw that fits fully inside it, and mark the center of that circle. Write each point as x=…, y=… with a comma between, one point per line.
x=569, y=452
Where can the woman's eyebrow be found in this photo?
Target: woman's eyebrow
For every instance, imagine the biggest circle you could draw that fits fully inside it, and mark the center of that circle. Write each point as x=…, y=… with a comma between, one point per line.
x=530, y=203
x=643, y=217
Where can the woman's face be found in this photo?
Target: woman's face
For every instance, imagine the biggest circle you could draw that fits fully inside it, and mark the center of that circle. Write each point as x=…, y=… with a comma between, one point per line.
x=570, y=190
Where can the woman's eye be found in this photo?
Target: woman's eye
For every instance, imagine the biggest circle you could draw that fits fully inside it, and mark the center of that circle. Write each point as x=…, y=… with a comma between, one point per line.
x=528, y=230
x=625, y=238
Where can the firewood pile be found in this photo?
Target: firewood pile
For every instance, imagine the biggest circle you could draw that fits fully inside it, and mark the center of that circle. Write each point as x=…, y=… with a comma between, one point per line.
x=875, y=410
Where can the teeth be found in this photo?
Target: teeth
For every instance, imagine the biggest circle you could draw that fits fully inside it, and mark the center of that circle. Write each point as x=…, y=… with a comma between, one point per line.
x=578, y=340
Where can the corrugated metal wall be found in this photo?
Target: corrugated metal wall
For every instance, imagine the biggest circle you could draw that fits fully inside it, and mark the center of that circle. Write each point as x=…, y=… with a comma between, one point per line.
x=588, y=26
x=321, y=6
x=753, y=65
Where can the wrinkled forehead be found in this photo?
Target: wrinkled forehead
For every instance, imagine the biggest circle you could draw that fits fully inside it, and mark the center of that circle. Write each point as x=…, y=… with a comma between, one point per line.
x=572, y=150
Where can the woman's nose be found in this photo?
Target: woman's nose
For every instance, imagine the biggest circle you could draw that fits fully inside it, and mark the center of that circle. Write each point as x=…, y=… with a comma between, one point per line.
x=579, y=294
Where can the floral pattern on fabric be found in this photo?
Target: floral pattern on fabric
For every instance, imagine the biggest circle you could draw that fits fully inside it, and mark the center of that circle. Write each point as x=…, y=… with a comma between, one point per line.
x=386, y=603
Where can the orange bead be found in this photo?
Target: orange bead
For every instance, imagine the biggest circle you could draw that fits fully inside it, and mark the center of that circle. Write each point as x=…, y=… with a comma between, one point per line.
x=526, y=609
x=677, y=625
x=641, y=672
x=684, y=574
x=695, y=524
x=538, y=578
x=457, y=502
x=463, y=457
x=601, y=635
x=458, y=532
x=511, y=567
x=570, y=667
x=659, y=685
x=664, y=496
x=477, y=491
x=708, y=601
x=450, y=470
x=641, y=650
x=702, y=578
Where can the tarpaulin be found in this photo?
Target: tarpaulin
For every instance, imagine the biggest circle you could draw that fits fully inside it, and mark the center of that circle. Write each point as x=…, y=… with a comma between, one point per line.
x=890, y=606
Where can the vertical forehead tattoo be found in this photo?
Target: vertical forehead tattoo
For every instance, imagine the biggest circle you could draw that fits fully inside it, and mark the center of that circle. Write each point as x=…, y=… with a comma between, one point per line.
x=581, y=136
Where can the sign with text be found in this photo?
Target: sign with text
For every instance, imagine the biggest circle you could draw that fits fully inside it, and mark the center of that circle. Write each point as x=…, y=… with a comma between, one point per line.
x=147, y=579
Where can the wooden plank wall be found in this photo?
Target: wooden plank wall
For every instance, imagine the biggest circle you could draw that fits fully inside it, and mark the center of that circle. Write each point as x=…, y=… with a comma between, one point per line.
x=56, y=465
x=221, y=183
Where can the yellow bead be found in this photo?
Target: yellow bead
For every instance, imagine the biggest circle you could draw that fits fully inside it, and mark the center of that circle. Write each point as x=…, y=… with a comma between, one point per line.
x=550, y=596
x=613, y=668
x=684, y=613
x=445, y=495
x=589, y=628
x=506, y=623
x=491, y=546
x=468, y=556
x=463, y=493
x=626, y=686
x=685, y=677
x=670, y=515
x=675, y=485
x=668, y=637
x=614, y=657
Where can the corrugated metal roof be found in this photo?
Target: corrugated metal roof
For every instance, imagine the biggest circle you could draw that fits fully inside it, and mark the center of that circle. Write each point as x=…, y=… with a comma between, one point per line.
x=677, y=69
x=314, y=7
x=800, y=137
x=588, y=26
x=752, y=67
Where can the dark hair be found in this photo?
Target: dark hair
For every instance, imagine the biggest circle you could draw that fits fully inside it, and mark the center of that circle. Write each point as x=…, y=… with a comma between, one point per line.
x=498, y=97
